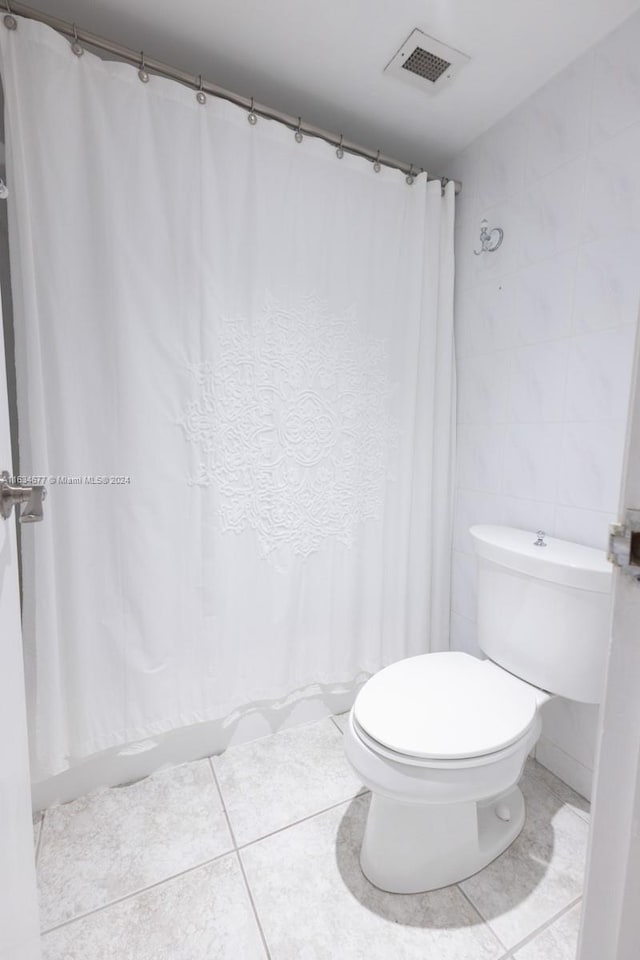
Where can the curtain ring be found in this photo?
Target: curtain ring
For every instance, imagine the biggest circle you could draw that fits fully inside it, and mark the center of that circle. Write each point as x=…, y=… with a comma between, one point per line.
x=410, y=178
x=339, y=150
x=201, y=96
x=142, y=72
x=76, y=46
x=299, y=137
x=376, y=164
x=10, y=21
x=252, y=116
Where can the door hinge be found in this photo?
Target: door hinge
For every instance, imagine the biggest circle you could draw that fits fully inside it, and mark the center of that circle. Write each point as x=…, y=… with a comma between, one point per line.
x=624, y=544
x=27, y=498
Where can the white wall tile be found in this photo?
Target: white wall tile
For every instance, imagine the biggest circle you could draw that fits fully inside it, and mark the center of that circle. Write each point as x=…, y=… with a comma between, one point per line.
x=567, y=768
x=556, y=306
x=531, y=460
x=463, y=585
x=616, y=92
x=467, y=230
x=481, y=457
x=465, y=167
x=483, y=387
x=592, y=465
x=607, y=292
x=551, y=212
x=599, y=376
x=571, y=724
x=545, y=299
x=500, y=160
x=485, y=317
x=530, y=515
x=612, y=196
x=463, y=636
x=537, y=381
x=558, y=119
x=583, y=526
x=472, y=508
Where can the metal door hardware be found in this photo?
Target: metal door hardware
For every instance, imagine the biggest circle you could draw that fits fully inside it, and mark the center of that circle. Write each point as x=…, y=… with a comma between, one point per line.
x=16, y=495
x=624, y=544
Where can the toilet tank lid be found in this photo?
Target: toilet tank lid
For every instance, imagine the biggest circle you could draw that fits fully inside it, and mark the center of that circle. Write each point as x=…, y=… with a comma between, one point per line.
x=560, y=561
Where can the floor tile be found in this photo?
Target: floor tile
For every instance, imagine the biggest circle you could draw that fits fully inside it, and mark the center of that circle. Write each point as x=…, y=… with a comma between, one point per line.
x=561, y=789
x=203, y=915
x=270, y=783
x=110, y=844
x=539, y=874
x=341, y=720
x=557, y=942
x=315, y=904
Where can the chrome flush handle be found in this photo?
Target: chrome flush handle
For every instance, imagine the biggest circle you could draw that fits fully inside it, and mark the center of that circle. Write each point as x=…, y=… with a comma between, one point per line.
x=15, y=495
x=540, y=541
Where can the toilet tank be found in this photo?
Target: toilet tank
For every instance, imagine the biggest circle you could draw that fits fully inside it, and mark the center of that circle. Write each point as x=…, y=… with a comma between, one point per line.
x=543, y=611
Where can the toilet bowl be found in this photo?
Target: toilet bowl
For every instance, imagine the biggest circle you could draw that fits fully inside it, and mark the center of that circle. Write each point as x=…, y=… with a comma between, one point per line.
x=441, y=739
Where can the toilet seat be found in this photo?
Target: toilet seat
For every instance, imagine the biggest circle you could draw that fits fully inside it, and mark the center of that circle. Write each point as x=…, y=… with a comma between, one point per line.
x=460, y=764
x=445, y=707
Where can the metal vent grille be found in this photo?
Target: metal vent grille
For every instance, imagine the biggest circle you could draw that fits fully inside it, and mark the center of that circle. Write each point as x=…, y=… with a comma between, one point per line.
x=426, y=65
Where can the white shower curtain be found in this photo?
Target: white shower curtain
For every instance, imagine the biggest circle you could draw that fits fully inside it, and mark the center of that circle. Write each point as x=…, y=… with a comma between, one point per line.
x=251, y=339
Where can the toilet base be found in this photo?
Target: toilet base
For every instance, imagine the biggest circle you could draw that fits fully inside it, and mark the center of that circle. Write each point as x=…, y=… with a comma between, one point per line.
x=413, y=848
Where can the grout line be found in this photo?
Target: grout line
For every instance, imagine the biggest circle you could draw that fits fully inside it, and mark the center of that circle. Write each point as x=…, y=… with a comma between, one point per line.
x=485, y=923
x=240, y=863
x=336, y=724
x=546, y=925
x=584, y=815
x=543, y=926
x=138, y=892
x=36, y=852
x=234, y=850
x=224, y=807
x=253, y=905
x=295, y=823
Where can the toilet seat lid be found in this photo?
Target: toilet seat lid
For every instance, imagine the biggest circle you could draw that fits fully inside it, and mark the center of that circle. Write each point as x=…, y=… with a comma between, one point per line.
x=445, y=706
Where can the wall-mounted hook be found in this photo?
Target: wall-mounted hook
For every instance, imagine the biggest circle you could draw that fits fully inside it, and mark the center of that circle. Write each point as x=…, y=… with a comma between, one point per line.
x=490, y=240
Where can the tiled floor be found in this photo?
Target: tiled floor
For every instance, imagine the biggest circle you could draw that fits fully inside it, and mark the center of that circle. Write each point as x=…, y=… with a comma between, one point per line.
x=254, y=855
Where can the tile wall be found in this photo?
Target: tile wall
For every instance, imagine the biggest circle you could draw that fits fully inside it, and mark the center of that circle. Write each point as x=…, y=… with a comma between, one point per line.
x=545, y=330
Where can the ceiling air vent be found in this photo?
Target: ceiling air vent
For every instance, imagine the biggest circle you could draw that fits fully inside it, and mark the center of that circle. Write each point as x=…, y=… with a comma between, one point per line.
x=425, y=62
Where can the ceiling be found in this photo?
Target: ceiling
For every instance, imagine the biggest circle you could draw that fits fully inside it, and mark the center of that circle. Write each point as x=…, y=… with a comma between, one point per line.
x=324, y=60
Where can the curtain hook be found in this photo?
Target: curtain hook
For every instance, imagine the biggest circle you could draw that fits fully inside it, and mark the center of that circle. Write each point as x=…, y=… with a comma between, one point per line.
x=76, y=46
x=252, y=116
x=10, y=21
x=201, y=96
x=142, y=72
x=376, y=164
x=410, y=178
x=299, y=137
x=339, y=150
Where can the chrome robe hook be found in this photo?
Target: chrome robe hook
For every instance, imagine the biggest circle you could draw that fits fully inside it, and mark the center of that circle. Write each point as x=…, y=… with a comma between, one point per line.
x=490, y=240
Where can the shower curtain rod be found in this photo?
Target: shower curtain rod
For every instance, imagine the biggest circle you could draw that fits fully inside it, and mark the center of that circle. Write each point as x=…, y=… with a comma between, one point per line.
x=140, y=59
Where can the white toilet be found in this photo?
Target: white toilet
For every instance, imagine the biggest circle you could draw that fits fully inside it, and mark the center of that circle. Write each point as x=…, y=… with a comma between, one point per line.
x=441, y=739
